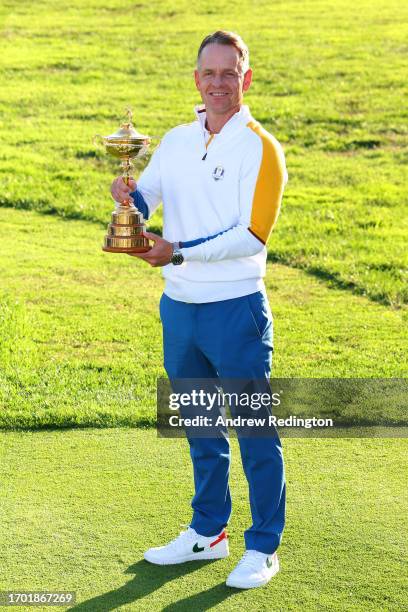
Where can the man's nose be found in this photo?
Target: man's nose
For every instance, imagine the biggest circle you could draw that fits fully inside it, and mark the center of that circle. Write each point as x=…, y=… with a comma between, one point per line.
x=217, y=80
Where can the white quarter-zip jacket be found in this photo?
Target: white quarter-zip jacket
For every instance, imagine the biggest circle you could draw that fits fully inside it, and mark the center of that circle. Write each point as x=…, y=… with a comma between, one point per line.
x=223, y=191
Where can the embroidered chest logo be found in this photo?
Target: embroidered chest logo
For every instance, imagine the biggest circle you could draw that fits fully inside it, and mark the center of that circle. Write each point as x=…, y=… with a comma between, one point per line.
x=218, y=173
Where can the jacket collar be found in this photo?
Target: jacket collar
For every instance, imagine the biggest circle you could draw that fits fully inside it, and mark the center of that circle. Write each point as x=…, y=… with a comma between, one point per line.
x=237, y=120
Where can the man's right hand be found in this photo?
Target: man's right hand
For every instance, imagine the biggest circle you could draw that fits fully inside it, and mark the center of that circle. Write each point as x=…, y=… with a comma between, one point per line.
x=120, y=191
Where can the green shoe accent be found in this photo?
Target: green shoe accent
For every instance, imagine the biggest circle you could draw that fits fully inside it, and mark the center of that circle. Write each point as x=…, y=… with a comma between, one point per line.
x=268, y=562
x=196, y=548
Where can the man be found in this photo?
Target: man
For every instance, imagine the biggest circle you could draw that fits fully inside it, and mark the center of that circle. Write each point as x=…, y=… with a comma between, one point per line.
x=221, y=180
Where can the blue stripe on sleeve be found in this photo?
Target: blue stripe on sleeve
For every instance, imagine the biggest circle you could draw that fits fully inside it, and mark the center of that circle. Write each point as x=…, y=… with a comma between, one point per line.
x=140, y=203
x=192, y=243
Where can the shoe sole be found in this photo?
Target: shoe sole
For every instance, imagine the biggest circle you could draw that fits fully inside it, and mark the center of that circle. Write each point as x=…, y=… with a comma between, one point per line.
x=246, y=585
x=195, y=557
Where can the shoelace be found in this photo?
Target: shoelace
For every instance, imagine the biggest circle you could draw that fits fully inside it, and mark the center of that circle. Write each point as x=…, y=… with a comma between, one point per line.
x=183, y=535
x=251, y=559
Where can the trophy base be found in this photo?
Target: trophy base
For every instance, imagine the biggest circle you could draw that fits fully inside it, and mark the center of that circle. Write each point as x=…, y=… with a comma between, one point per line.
x=125, y=233
x=126, y=250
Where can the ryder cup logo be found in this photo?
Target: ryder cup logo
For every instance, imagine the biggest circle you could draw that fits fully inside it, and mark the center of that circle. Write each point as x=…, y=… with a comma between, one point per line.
x=218, y=173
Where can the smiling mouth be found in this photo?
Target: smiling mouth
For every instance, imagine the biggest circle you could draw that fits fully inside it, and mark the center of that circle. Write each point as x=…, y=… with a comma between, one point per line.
x=218, y=94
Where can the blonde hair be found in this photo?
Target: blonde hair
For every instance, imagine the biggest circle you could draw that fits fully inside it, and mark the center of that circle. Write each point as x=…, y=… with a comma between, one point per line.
x=222, y=37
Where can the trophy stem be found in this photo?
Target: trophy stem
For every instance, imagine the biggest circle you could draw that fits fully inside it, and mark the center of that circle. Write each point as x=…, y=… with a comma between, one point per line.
x=127, y=167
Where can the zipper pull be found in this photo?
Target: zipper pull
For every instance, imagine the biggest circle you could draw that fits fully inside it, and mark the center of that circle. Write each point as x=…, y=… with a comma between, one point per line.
x=204, y=156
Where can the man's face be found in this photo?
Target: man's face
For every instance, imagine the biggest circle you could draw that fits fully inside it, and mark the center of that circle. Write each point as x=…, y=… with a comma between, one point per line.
x=219, y=78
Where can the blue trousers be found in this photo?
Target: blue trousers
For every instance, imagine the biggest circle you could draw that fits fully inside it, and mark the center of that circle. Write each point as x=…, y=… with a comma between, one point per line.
x=228, y=339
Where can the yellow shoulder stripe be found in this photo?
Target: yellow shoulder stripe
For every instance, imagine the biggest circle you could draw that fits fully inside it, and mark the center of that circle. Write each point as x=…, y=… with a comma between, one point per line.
x=269, y=186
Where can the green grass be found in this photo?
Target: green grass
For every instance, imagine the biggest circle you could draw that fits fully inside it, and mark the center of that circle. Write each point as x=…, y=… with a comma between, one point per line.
x=82, y=506
x=80, y=334
x=329, y=83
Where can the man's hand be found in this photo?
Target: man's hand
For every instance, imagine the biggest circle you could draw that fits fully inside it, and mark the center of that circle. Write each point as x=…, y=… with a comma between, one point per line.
x=160, y=254
x=120, y=191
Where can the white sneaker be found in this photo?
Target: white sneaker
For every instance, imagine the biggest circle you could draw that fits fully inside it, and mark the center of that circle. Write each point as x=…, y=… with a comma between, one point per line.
x=255, y=569
x=189, y=546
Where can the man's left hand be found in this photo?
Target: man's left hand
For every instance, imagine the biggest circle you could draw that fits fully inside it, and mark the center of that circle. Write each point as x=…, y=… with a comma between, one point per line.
x=160, y=254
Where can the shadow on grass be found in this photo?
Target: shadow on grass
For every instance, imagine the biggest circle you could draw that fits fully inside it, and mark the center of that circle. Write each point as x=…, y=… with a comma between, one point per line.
x=149, y=578
x=199, y=602
x=334, y=280
x=44, y=207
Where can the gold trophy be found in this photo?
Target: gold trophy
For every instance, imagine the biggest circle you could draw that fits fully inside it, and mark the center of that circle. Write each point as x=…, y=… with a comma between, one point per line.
x=127, y=225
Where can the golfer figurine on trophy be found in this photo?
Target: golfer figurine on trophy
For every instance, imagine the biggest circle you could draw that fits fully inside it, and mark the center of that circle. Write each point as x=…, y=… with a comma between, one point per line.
x=127, y=225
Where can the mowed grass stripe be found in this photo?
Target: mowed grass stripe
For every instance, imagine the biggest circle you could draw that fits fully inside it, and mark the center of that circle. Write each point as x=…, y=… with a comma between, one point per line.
x=80, y=334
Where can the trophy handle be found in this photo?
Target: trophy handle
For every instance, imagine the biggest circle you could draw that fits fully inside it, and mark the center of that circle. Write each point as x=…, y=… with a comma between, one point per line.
x=98, y=139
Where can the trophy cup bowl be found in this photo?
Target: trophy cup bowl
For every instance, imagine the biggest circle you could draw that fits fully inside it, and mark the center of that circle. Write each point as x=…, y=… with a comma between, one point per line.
x=127, y=224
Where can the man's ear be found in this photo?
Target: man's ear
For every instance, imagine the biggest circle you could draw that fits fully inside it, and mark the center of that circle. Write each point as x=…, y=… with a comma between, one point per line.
x=197, y=79
x=247, y=80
